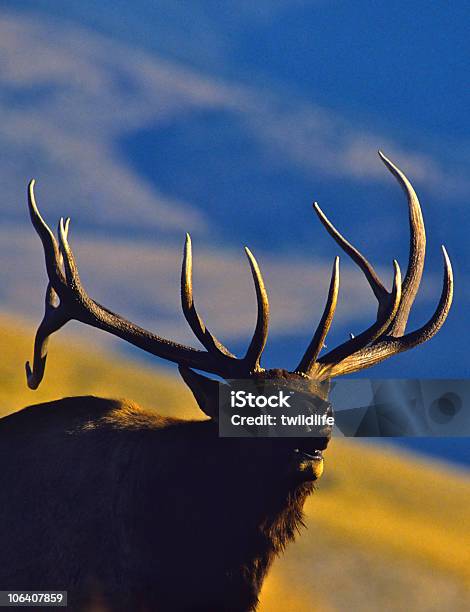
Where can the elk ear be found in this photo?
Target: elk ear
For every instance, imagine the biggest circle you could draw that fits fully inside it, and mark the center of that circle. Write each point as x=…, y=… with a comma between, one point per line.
x=205, y=390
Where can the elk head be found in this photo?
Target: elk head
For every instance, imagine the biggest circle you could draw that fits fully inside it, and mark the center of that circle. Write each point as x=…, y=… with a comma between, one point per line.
x=66, y=299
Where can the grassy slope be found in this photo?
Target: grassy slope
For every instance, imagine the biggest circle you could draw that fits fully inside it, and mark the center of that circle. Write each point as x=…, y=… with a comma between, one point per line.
x=384, y=531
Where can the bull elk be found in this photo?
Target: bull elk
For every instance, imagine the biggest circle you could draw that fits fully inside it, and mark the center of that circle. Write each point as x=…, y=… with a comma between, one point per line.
x=107, y=499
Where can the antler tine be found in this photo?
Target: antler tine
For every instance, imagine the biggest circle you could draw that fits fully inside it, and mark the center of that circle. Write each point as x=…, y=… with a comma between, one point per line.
x=71, y=271
x=374, y=281
x=208, y=340
x=258, y=341
x=307, y=362
x=389, y=346
x=54, y=316
x=48, y=326
x=49, y=243
x=417, y=253
x=375, y=331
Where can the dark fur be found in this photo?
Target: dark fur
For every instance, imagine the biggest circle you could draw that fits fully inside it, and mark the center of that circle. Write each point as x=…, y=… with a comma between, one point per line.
x=115, y=503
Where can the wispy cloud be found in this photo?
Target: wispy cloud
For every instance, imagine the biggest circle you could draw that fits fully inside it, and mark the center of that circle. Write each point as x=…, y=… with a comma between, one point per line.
x=322, y=141
x=69, y=95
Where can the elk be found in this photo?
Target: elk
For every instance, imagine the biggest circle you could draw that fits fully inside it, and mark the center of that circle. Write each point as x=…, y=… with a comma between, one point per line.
x=149, y=513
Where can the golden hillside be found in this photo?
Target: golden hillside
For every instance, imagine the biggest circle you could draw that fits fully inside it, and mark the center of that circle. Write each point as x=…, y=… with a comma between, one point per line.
x=385, y=530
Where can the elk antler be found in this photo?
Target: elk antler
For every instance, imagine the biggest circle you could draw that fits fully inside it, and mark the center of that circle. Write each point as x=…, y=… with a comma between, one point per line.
x=388, y=337
x=74, y=303
x=384, y=338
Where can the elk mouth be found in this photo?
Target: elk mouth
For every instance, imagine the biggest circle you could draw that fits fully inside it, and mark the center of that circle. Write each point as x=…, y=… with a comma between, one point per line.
x=316, y=455
x=309, y=463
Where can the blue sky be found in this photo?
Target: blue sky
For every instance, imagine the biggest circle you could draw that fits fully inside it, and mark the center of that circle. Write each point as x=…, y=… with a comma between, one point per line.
x=404, y=62
x=144, y=120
